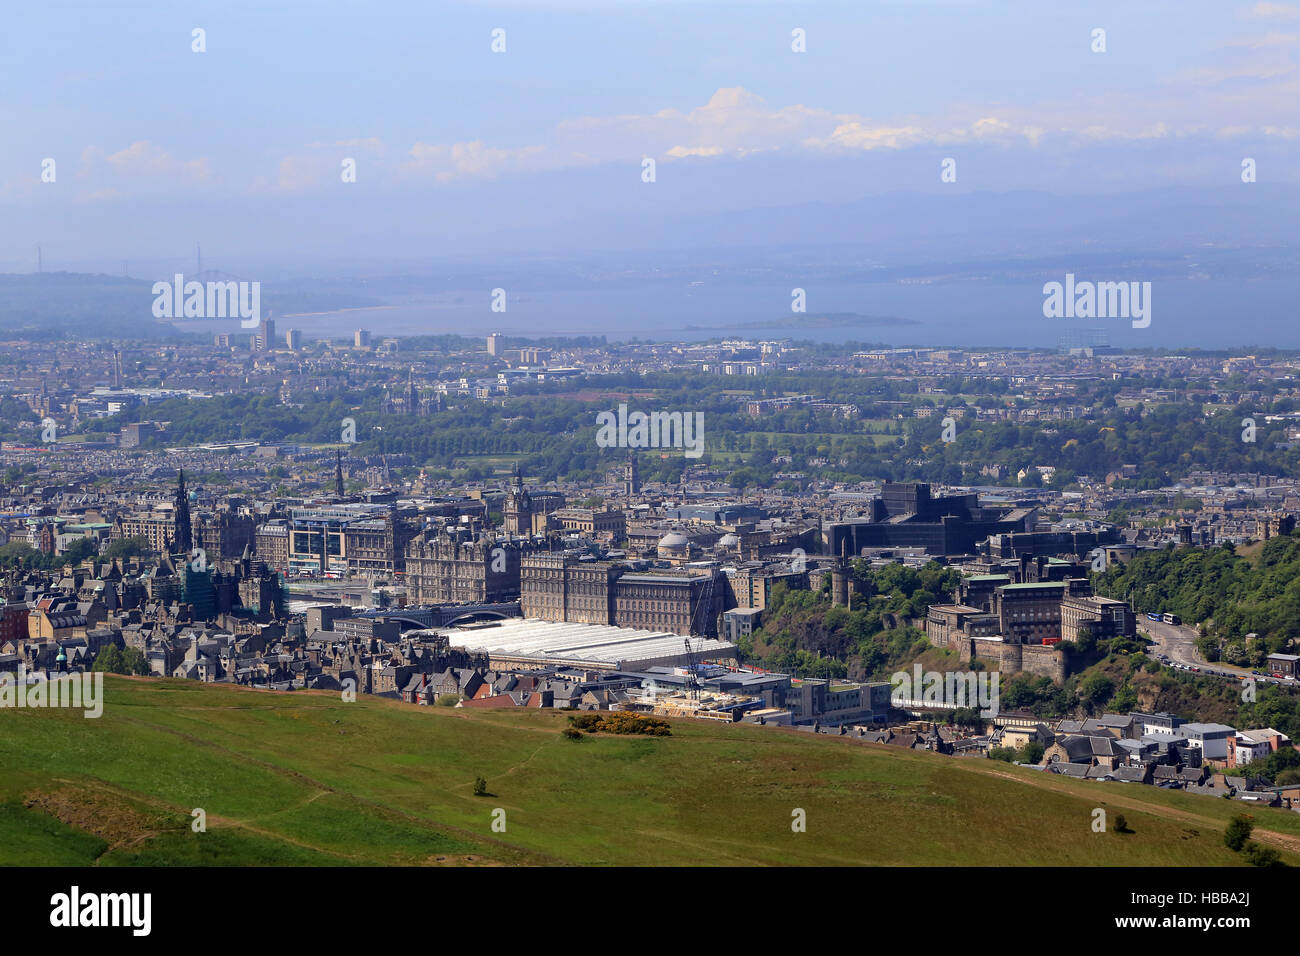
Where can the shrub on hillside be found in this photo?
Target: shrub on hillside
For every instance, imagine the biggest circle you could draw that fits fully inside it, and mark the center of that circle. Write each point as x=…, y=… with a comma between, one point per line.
x=621, y=722
x=1262, y=855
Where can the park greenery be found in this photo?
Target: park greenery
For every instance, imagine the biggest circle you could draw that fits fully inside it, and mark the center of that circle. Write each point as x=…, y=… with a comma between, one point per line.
x=116, y=660
x=550, y=427
x=1247, y=609
x=19, y=554
x=803, y=634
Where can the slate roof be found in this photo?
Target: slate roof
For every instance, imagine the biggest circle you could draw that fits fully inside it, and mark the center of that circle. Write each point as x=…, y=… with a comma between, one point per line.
x=1077, y=770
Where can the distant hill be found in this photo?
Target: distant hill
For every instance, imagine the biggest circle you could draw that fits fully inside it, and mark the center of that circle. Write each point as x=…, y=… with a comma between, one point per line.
x=47, y=305
x=67, y=304
x=304, y=778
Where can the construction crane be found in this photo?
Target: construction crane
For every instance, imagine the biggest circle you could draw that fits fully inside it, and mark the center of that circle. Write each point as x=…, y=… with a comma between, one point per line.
x=692, y=679
x=699, y=618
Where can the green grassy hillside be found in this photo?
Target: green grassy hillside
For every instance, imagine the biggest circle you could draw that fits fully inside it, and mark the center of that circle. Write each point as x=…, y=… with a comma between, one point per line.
x=304, y=778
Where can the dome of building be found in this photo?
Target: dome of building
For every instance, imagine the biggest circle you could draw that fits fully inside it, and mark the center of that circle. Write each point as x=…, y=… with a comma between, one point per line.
x=673, y=543
x=728, y=541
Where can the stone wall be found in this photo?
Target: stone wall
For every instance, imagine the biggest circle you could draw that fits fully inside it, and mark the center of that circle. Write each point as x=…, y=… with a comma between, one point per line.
x=1041, y=660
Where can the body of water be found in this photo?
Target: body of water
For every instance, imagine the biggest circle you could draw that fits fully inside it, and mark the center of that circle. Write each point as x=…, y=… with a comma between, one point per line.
x=1220, y=314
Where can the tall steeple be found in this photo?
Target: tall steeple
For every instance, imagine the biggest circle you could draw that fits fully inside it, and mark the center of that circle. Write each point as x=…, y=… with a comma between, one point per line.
x=631, y=475
x=518, y=512
x=183, y=535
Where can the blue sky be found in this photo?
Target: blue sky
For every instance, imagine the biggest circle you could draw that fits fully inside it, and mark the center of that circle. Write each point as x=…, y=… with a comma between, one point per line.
x=240, y=147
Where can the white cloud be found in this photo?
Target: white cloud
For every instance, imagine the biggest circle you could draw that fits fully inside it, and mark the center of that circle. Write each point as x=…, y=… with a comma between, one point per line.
x=1230, y=101
x=142, y=168
x=143, y=159
x=1276, y=11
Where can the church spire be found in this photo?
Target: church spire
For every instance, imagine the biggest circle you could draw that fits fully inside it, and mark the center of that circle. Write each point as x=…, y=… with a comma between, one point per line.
x=183, y=536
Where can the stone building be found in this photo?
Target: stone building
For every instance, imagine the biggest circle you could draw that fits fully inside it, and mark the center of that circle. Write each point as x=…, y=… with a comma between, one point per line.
x=223, y=535
x=1105, y=617
x=947, y=624
x=155, y=527
x=442, y=568
x=1029, y=613
x=751, y=587
x=271, y=542
x=562, y=587
x=607, y=523
x=681, y=601
x=377, y=545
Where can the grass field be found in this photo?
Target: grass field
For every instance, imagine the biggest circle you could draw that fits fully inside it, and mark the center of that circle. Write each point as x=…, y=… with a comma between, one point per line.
x=304, y=778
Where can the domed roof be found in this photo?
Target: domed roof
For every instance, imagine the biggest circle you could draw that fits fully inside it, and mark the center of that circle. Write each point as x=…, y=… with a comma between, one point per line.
x=674, y=541
x=728, y=541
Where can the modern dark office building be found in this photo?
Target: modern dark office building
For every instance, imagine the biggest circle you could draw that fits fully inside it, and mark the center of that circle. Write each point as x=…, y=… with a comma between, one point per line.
x=905, y=515
x=1039, y=543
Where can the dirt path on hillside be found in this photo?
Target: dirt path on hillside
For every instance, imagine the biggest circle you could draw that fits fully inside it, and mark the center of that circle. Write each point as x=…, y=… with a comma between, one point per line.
x=1283, y=841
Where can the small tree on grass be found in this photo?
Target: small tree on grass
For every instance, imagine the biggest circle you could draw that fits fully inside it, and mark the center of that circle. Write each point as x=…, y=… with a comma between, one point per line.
x=134, y=662
x=1032, y=752
x=480, y=787
x=1238, y=832
x=109, y=660
x=1121, y=824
